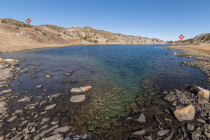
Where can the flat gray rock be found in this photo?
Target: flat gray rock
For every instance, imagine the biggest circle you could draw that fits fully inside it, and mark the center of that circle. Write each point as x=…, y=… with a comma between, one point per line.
x=77, y=98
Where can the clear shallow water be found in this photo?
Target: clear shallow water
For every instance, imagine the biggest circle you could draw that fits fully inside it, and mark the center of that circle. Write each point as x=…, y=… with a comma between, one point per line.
x=116, y=72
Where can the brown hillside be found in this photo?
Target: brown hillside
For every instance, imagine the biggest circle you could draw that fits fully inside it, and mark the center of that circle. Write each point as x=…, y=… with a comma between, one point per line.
x=16, y=35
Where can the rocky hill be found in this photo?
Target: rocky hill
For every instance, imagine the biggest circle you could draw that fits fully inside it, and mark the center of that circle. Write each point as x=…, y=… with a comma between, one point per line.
x=200, y=39
x=16, y=35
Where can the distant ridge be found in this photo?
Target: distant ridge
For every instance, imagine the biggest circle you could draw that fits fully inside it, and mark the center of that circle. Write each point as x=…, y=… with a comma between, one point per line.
x=199, y=39
x=16, y=35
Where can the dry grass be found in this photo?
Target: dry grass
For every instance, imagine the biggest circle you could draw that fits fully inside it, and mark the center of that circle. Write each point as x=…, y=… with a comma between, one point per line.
x=201, y=49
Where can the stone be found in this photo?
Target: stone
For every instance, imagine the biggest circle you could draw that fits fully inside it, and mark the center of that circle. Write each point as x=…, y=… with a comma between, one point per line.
x=77, y=98
x=207, y=134
x=18, y=111
x=43, y=133
x=207, y=127
x=48, y=76
x=33, y=130
x=44, y=120
x=85, y=136
x=86, y=88
x=201, y=120
x=203, y=93
x=147, y=137
x=50, y=107
x=42, y=113
x=39, y=86
x=68, y=74
x=195, y=136
x=63, y=129
x=81, y=89
x=129, y=118
x=12, y=119
x=139, y=133
x=162, y=132
x=170, y=97
x=5, y=91
x=185, y=113
x=203, y=101
x=142, y=118
x=190, y=127
x=76, y=90
x=53, y=137
x=26, y=99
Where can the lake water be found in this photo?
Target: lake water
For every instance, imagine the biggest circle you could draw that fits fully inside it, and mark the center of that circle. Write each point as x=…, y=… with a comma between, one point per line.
x=118, y=74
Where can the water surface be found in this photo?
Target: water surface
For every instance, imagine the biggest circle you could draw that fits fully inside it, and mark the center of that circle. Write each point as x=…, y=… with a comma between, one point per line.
x=118, y=74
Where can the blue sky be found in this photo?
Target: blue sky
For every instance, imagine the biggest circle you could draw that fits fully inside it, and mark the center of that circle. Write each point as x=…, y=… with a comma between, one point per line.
x=163, y=19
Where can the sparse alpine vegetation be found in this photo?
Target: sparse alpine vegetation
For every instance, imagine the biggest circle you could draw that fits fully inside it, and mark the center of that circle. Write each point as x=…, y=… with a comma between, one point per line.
x=16, y=35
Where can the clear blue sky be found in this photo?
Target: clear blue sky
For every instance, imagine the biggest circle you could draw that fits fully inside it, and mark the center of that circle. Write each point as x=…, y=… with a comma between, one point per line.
x=163, y=19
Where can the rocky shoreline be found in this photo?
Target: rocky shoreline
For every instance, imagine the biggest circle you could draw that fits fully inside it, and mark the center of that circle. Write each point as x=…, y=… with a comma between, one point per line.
x=175, y=114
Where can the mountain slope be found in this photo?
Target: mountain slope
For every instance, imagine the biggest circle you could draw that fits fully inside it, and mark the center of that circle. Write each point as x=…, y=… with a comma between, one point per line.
x=200, y=39
x=16, y=35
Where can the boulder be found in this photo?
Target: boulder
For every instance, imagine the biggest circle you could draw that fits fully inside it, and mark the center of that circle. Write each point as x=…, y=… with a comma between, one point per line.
x=201, y=92
x=81, y=89
x=77, y=98
x=185, y=113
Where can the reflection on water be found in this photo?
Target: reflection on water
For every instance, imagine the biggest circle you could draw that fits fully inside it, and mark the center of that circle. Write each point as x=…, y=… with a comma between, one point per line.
x=116, y=72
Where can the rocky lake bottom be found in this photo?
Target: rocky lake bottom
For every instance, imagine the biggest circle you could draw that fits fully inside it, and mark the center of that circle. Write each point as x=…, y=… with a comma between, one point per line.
x=104, y=92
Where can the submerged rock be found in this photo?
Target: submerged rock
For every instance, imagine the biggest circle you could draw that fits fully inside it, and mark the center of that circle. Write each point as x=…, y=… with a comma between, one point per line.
x=12, y=119
x=6, y=91
x=63, y=129
x=77, y=98
x=48, y=76
x=81, y=89
x=185, y=113
x=162, y=132
x=39, y=86
x=26, y=99
x=50, y=107
x=138, y=133
x=68, y=74
x=142, y=118
x=53, y=137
